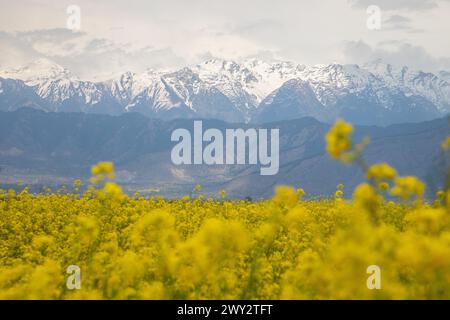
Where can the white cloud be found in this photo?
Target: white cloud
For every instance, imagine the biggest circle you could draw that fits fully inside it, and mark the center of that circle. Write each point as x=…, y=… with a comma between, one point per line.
x=169, y=33
x=412, y=5
x=394, y=52
x=397, y=21
x=84, y=55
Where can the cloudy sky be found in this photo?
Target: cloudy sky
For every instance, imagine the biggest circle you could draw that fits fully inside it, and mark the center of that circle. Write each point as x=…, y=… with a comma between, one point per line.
x=138, y=34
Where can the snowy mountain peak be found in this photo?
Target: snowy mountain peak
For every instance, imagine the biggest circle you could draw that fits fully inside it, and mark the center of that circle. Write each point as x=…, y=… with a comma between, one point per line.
x=58, y=86
x=130, y=84
x=435, y=88
x=218, y=65
x=39, y=70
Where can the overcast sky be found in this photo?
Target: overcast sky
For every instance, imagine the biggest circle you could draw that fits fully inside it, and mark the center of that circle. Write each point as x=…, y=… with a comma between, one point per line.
x=135, y=35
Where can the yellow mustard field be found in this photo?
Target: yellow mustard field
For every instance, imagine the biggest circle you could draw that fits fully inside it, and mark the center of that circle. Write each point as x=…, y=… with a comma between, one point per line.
x=384, y=243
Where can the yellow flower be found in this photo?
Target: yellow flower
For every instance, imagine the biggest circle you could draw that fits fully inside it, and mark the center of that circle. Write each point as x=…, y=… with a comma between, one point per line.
x=408, y=187
x=285, y=195
x=77, y=185
x=383, y=186
x=338, y=139
x=102, y=170
x=113, y=190
x=366, y=197
x=446, y=144
x=428, y=221
x=380, y=172
x=300, y=193
x=222, y=194
x=339, y=194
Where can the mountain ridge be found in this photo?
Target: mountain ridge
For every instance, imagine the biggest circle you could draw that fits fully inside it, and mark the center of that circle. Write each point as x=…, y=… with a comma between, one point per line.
x=374, y=93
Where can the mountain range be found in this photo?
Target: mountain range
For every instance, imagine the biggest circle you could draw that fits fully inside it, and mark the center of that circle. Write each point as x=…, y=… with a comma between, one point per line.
x=250, y=91
x=55, y=148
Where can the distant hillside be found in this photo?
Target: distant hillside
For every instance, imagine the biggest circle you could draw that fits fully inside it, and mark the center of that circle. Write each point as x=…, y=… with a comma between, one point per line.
x=47, y=148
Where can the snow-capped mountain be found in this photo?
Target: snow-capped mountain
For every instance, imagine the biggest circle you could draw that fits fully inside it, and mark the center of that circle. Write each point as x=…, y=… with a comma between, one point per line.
x=246, y=84
x=250, y=90
x=15, y=94
x=358, y=95
x=435, y=88
x=294, y=99
x=62, y=90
